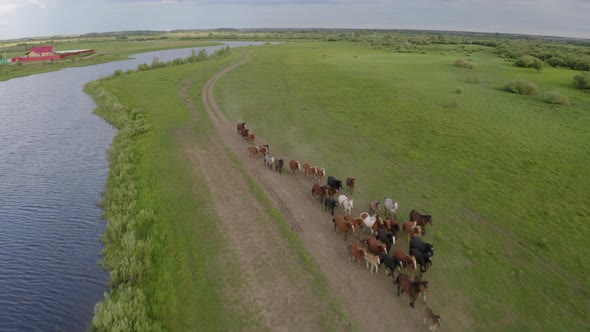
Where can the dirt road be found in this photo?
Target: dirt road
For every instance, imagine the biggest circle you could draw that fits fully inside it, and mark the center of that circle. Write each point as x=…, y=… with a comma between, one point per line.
x=277, y=288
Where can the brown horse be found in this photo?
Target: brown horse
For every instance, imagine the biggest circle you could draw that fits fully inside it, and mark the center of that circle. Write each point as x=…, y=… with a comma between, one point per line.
x=264, y=149
x=357, y=222
x=321, y=174
x=245, y=132
x=421, y=219
x=241, y=125
x=253, y=151
x=317, y=192
x=375, y=246
x=343, y=225
x=251, y=138
x=412, y=288
x=295, y=166
x=412, y=229
x=408, y=261
x=356, y=250
x=393, y=226
x=350, y=183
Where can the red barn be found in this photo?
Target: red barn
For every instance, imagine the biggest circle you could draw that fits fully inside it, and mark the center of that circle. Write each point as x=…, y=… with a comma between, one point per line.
x=41, y=51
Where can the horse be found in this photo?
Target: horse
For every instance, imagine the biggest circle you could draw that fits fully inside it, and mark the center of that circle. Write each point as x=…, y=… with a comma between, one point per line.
x=412, y=229
x=279, y=166
x=253, y=150
x=350, y=183
x=375, y=246
x=374, y=207
x=346, y=204
x=269, y=160
x=334, y=183
x=317, y=192
x=330, y=204
x=343, y=225
x=432, y=318
x=422, y=259
x=330, y=192
x=408, y=261
x=421, y=219
x=373, y=261
x=295, y=166
x=372, y=222
x=358, y=222
x=241, y=125
x=264, y=149
x=394, y=227
x=356, y=250
x=321, y=174
x=391, y=264
x=424, y=247
x=390, y=207
x=386, y=237
x=251, y=138
x=310, y=171
x=412, y=288
x=245, y=132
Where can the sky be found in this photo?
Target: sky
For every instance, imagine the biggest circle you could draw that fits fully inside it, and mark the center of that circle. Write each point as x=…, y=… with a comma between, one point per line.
x=34, y=18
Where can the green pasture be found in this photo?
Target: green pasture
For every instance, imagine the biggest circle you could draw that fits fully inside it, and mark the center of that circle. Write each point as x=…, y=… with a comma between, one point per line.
x=506, y=177
x=187, y=281
x=106, y=50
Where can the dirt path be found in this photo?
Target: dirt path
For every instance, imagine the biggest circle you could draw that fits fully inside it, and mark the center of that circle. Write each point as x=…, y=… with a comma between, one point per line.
x=286, y=303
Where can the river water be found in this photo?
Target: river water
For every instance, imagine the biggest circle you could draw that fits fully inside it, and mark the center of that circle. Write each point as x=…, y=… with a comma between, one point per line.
x=53, y=168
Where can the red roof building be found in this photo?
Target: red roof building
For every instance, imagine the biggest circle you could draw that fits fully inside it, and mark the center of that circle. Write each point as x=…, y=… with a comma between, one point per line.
x=40, y=51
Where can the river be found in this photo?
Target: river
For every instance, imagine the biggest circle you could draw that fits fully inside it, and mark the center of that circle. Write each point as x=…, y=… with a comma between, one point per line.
x=53, y=169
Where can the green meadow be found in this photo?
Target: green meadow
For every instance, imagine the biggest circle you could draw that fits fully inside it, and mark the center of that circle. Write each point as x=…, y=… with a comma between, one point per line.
x=505, y=176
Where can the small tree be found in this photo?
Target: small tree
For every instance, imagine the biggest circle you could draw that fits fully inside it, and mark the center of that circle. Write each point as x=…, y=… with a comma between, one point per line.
x=529, y=61
x=582, y=81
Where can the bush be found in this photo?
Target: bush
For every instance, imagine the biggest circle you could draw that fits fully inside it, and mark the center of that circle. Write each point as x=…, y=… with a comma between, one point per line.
x=473, y=80
x=521, y=87
x=528, y=61
x=462, y=63
x=556, y=98
x=582, y=81
x=459, y=90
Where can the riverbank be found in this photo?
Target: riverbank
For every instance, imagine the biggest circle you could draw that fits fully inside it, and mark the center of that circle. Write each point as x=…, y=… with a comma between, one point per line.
x=180, y=255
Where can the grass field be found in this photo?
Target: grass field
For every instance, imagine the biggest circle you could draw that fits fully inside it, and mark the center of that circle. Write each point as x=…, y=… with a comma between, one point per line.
x=506, y=177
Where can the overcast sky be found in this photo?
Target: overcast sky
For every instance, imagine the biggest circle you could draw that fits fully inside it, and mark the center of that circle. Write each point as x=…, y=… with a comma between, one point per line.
x=31, y=18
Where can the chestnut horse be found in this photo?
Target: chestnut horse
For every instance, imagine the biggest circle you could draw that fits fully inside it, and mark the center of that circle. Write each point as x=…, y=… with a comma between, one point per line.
x=358, y=251
x=357, y=222
x=241, y=126
x=408, y=261
x=350, y=183
x=412, y=288
x=412, y=229
x=421, y=219
x=343, y=225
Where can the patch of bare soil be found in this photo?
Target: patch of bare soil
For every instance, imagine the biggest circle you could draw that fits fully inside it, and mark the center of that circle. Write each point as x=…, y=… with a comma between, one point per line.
x=276, y=287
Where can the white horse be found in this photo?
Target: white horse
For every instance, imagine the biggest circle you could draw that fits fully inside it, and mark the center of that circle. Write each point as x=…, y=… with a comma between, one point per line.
x=369, y=220
x=269, y=160
x=390, y=207
x=346, y=204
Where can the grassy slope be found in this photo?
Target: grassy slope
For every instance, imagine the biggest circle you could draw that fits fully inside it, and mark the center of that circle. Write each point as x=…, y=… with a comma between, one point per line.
x=106, y=51
x=185, y=268
x=505, y=176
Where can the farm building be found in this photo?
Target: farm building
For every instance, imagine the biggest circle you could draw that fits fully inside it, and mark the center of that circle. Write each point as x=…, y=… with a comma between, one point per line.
x=47, y=53
x=40, y=51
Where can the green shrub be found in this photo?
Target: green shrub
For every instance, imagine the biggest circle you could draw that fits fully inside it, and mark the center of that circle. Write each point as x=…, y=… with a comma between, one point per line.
x=125, y=309
x=556, y=98
x=473, y=80
x=521, y=87
x=529, y=61
x=459, y=90
x=462, y=63
x=582, y=81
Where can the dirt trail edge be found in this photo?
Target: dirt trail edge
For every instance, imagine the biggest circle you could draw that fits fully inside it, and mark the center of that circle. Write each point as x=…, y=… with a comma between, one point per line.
x=369, y=300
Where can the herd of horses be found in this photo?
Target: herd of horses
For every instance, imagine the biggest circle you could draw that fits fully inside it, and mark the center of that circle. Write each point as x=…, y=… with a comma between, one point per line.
x=375, y=249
